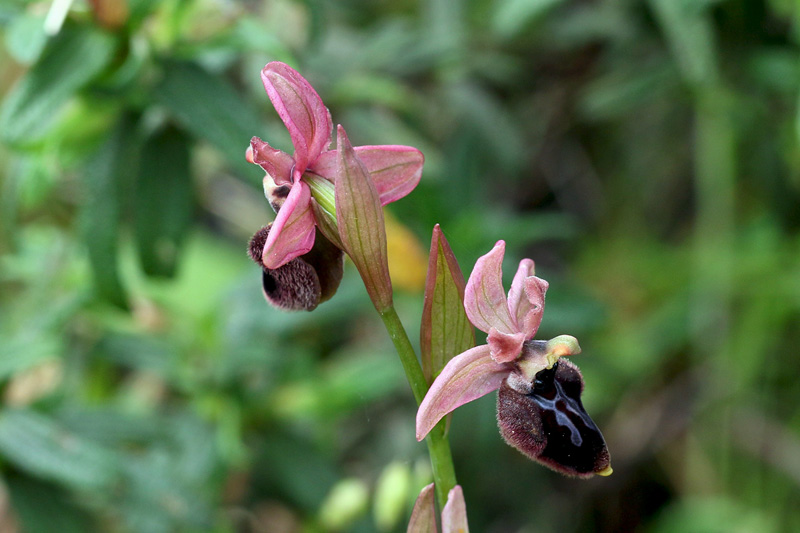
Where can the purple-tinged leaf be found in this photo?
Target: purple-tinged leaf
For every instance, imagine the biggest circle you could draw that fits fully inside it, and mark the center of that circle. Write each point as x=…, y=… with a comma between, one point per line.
x=485, y=299
x=423, y=516
x=454, y=514
x=361, y=227
x=301, y=110
x=445, y=330
x=466, y=377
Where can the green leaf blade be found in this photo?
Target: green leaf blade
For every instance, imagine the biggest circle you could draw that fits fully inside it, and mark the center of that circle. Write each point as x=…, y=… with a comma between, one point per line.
x=68, y=63
x=163, y=201
x=445, y=330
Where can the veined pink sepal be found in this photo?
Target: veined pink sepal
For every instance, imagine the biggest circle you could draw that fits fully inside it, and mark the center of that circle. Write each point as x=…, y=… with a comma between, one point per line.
x=466, y=377
x=301, y=110
x=276, y=163
x=395, y=169
x=485, y=299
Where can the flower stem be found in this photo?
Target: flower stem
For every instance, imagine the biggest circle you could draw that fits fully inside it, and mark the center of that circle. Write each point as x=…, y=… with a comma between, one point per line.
x=444, y=475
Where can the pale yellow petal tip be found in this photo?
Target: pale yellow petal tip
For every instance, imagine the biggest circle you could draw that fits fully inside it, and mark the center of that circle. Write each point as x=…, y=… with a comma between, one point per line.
x=607, y=471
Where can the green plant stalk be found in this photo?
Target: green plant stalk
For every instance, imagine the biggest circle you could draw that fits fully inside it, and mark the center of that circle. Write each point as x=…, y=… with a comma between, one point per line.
x=444, y=475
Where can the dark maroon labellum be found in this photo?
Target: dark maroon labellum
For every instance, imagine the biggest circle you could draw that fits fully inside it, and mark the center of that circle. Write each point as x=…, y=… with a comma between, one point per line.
x=304, y=282
x=550, y=425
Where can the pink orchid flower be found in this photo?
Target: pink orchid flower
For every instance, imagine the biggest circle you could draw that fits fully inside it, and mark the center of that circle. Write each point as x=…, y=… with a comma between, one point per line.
x=289, y=179
x=539, y=407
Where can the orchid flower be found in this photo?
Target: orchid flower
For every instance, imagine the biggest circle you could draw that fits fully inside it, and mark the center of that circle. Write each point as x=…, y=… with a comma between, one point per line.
x=454, y=513
x=292, y=180
x=539, y=409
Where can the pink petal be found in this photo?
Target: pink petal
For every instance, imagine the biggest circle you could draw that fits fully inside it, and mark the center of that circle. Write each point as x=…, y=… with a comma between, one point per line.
x=276, y=163
x=454, y=514
x=423, y=516
x=484, y=299
x=530, y=316
x=292, y=233
x=301, y=109
x=505, y=347
x=464, y=378
x=517, y=302
x=396, y=170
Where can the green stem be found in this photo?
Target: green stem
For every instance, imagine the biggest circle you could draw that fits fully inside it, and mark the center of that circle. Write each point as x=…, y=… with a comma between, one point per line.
x=444, y=475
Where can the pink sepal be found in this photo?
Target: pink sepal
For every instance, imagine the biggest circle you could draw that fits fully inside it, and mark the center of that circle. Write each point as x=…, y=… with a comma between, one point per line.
x=464, y=378
x=276, y=163
x=484, y=298
x=301, y=110
x=394, y=169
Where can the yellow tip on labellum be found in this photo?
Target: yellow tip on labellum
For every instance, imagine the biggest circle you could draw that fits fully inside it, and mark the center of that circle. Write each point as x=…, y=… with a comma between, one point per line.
x=559, y=347
x=607, y=471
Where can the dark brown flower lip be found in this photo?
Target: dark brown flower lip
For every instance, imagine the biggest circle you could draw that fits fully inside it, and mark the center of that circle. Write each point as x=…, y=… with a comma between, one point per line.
x=304, y=282
x=550, y=425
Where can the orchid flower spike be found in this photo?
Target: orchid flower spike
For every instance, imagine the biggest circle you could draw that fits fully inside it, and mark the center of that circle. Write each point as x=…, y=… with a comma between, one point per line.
x=539, y=410
x=292, y=180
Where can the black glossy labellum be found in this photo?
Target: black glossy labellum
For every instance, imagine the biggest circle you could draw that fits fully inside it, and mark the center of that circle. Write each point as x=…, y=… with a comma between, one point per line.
x=549, y=424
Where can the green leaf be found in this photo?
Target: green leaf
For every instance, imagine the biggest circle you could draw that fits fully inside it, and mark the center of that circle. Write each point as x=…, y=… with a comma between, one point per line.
x=163, y=201
x=106, y=175
x=38, y=445
x=209, y=107
x=44, y=508
x=445, y=330
x=69, y=61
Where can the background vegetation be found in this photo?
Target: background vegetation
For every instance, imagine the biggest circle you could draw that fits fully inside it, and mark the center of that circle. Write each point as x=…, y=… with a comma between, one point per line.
x=644, y=153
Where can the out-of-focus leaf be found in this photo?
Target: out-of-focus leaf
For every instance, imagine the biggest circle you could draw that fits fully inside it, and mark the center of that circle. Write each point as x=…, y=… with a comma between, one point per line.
x=25, y=37
x=105, y=177
x=689, y=32
x=38, y=445
x=163, y=201
x=44, y=508
x=23, y=352
x=445, y=330
x=69, y=61
x=340, y=388
x=207, y=106
x=297, y=468
x=511, y=16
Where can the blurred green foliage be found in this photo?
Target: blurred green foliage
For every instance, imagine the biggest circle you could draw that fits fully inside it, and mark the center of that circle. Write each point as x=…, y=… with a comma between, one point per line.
x=644, y=153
